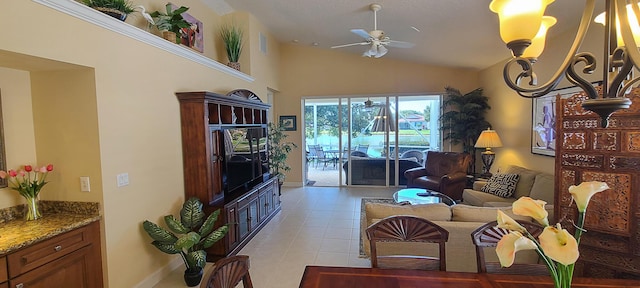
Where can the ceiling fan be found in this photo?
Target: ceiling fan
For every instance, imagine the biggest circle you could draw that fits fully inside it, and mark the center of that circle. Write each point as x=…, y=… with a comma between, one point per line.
x=376, y=38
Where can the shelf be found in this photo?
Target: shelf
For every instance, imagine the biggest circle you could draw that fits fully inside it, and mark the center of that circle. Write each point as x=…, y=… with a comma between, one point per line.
x=90, y=15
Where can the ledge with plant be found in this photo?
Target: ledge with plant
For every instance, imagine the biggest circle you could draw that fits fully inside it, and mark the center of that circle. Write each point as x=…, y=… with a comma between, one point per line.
x=118, y=9
x=232, y=38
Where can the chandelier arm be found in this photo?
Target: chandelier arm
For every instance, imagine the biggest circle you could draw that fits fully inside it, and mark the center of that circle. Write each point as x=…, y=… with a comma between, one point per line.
x=621, y=61
x=627, y=86
x=574, y=77
x=559, y=74
x=625, y=31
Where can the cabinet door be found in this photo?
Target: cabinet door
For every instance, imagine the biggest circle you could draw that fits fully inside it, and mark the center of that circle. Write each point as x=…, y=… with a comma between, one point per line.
x=72, y=270
x=264, y=204
x=254, y=219
x=232, y=221
x=217, y=140
x=243, y=222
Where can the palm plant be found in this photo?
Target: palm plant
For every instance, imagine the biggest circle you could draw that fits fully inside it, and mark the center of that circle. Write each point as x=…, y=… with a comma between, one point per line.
x=463, y=119
x=232, y=38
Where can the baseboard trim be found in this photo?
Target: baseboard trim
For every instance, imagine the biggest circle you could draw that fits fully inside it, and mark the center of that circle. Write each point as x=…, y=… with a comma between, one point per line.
x=160, y=274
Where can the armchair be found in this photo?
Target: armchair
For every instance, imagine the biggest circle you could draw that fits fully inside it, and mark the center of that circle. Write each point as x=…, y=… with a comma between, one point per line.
x=444, y=172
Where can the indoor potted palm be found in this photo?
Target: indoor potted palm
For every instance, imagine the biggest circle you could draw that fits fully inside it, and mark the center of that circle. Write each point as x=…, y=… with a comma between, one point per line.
x=188, y=237
x=232, y=38
x=170, y=22
x=118, y=9
x=278, y=151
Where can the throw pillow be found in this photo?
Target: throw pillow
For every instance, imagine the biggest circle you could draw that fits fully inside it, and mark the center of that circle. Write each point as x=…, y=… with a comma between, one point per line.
x=502, y=185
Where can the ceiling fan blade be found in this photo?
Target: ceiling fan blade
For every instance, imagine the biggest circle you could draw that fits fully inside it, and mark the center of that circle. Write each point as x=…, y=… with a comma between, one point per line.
x=400, y=44
x=352, y=44
x=362, y=33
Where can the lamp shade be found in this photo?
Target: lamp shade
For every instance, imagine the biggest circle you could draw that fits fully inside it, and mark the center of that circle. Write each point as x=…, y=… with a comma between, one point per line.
x=633, y=23
x=519, y=19
x=488, y=139
x=537, y=43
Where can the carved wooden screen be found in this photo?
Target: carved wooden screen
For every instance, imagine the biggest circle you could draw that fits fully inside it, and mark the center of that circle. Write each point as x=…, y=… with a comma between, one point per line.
x=611, y=246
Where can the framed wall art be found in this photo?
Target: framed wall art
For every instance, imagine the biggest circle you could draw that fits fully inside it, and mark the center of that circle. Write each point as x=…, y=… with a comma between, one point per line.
x=288, y=123
x=192, y=36
x=543, y=120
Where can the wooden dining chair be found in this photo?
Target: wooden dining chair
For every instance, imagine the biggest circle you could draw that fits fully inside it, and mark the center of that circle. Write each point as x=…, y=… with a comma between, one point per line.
x=228, y=272
x=407, y=229
x=488, y=235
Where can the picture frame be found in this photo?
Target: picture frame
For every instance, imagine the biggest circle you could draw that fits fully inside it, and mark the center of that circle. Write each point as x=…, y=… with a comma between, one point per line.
x=543, y=120
x=288, y=123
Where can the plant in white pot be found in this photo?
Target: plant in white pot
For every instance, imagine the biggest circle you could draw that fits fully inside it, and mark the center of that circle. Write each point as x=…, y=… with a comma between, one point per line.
x=188, y=237
x=170, y=22
x=232, y=38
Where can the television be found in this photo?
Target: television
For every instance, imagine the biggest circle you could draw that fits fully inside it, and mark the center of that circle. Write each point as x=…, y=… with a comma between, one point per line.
x=245, y=158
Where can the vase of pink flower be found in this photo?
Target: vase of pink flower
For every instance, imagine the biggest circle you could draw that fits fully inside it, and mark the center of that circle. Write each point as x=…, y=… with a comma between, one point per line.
x=556, y=246
x=28, y=181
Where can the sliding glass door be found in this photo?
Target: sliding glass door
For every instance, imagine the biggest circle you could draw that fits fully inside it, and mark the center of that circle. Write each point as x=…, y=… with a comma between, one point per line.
x=368, y=141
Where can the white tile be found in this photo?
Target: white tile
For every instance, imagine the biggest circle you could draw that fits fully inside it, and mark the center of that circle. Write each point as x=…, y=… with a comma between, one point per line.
x=335, y=245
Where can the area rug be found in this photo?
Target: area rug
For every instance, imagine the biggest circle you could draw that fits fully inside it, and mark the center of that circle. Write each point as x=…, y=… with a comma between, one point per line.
x=363, y=219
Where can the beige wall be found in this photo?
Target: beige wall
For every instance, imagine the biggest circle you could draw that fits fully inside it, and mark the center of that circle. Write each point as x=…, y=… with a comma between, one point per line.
x=510, y=114
x=96, y=103
x=307, y=71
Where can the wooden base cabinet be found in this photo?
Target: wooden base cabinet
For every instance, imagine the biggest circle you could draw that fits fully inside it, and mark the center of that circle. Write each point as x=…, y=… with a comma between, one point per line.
x=71, y=259
x=249, y=213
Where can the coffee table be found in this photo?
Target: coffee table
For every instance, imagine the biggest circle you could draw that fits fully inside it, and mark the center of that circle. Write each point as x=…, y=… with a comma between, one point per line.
x=421, y=196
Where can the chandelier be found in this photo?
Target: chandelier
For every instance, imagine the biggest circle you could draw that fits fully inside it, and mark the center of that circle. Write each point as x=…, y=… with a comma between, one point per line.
x=523, y=28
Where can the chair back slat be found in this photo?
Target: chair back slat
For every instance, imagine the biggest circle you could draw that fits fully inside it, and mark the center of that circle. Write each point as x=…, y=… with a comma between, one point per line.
x=408, y=229
x=228, y=272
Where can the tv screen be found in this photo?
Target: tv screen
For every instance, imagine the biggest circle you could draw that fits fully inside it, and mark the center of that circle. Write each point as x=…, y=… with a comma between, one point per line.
x=245, y=157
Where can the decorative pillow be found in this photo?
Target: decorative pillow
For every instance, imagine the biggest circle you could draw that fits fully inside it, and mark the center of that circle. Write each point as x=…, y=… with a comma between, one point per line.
x=502, y=185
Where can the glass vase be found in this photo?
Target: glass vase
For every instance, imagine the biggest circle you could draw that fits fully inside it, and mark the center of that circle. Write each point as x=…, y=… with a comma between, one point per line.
x=32, y=209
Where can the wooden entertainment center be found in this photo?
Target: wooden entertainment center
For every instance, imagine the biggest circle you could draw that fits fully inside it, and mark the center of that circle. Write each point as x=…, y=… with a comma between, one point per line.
x=206, y=120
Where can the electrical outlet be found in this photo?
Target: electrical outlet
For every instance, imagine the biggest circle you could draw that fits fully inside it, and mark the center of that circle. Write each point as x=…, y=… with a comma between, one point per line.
x=85, y=185
x=123, y=179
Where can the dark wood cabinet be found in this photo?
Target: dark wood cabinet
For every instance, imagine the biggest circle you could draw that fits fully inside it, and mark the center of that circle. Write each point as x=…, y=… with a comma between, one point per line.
x=206, y=119
x=71, y=259
x=586, y=152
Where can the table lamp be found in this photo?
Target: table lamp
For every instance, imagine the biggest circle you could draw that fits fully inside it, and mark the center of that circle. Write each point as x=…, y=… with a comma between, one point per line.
x=488, y=139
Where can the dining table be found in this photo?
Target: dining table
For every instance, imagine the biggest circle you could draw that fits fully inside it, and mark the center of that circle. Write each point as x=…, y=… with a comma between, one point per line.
x=350, y=277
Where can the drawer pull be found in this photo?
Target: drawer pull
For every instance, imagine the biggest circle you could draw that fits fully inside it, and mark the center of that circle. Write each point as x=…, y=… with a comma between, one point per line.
x=57, y=248
x=20, y=285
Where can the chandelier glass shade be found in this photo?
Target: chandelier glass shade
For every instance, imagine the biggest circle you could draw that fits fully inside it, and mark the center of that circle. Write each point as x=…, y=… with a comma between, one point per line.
x=518, y=18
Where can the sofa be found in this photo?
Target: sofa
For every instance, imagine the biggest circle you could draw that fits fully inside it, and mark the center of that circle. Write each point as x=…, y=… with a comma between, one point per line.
x=444, y=172
x=534, y=184
x=372, y=171
x=460, y=220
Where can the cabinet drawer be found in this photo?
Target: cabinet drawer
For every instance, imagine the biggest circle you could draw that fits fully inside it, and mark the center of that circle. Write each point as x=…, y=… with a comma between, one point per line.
x=48, y=250
x=4, y=285
x=3, y=269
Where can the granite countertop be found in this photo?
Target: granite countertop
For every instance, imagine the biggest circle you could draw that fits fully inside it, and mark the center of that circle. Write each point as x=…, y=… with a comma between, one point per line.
x=57, y=217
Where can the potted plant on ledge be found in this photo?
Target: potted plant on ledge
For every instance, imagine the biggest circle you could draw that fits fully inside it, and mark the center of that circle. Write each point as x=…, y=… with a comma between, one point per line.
x=278, y=151
x=232, y=39
x=118, y=9
x=171, y=22
x=195, y=234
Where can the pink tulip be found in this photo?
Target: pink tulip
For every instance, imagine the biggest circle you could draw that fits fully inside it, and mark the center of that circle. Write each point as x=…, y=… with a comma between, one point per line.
x=28, y=168
x=21, y=173
x=559, y=245
x=3, y=174
x=526, y=206
x=13, y=173
x=42, y=169
x=50, y=167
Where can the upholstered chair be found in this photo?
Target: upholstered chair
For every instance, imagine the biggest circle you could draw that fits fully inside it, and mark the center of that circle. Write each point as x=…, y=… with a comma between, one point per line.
x=444, y=172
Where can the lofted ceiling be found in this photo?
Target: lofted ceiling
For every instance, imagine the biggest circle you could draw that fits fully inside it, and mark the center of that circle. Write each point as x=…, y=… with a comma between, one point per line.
x=454, y=33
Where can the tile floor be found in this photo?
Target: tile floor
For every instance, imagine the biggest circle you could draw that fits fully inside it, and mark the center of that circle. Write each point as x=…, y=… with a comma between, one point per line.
x=317, y=226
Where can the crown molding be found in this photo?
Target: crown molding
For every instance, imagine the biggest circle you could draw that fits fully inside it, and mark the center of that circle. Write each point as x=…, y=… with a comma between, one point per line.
x=90, y=15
